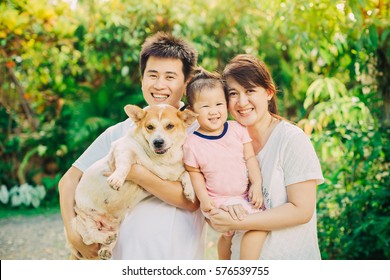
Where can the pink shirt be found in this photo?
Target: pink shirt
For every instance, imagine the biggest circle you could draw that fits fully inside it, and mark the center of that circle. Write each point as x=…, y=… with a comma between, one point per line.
x=221, y=160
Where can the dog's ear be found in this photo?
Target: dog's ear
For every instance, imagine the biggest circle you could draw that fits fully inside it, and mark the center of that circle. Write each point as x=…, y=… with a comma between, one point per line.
x=187, y=116
x=134, y=112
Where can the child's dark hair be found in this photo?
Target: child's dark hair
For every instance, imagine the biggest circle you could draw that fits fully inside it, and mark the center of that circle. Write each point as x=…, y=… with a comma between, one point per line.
x=203, y=80
x=165, y=45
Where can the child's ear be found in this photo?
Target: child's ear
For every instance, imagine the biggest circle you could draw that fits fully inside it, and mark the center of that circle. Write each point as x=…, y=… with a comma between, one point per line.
x=134, y=112
x=187, y=116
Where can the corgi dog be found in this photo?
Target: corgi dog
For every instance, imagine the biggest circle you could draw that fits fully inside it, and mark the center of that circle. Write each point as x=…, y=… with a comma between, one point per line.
x=154, y=141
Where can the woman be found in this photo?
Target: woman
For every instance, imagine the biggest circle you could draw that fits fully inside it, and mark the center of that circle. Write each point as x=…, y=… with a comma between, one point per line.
x=288, y=162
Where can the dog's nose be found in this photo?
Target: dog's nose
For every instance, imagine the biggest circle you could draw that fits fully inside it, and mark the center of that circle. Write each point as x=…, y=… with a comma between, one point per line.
x=158, y=143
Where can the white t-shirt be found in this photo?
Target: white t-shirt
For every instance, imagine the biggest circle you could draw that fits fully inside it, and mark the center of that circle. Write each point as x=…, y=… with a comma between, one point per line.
x=287, y=158
x=153, y=230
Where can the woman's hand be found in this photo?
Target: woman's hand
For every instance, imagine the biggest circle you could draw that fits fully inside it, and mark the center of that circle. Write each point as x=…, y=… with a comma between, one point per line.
x=220, y=220
x=226, y=217
x=236, y=211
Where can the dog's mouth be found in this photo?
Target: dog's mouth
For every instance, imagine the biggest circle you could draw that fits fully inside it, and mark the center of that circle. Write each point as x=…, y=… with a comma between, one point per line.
x=160, y=146
x=160, y=151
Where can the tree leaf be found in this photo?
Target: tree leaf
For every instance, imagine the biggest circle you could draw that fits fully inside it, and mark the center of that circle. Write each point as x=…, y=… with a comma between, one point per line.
x=374, y=37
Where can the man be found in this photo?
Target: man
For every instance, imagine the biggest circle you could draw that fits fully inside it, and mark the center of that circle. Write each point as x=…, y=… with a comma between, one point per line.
x=166, y=225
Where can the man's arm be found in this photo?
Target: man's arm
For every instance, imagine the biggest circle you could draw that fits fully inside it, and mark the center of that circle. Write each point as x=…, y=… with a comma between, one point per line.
x=168, y=191
x=67, y=189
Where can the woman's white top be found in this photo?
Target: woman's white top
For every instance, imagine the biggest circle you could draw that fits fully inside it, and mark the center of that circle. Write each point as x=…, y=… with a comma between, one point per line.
x=287, y=158
x=153, y=229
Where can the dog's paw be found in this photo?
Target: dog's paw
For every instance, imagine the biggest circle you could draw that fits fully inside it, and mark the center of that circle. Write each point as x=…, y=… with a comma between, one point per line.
x=189, y=192
x=105, y=254
x=110, y=238
x=115, y=182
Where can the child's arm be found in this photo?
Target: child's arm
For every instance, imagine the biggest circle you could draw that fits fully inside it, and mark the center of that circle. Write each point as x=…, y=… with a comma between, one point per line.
x=255, y=191
x=199, y=184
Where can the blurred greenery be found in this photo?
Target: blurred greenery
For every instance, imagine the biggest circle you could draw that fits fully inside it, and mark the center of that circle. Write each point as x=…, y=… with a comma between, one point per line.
x=68, y=67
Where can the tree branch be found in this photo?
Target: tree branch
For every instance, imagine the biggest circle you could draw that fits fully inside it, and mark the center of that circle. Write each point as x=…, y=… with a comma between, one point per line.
x=28, y=112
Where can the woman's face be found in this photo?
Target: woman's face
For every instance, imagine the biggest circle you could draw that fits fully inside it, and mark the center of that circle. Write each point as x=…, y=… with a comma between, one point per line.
x=248, y=106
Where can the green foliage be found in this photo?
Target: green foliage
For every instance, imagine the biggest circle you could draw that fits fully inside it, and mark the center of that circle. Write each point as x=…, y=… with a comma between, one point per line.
x=66, y=74
x=353, y=204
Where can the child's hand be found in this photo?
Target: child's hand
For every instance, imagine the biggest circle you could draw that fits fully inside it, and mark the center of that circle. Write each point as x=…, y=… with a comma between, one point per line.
x=207, y=205
x=255, y=196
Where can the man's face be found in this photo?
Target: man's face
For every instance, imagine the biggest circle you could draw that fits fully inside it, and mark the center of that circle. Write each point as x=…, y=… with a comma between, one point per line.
x=163, y=81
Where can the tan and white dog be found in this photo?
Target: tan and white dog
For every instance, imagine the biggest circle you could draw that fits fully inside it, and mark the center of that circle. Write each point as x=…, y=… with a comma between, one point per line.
x=155, y=141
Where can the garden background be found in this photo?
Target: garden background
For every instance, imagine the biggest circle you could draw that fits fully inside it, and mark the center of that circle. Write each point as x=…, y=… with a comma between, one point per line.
x=67, y=68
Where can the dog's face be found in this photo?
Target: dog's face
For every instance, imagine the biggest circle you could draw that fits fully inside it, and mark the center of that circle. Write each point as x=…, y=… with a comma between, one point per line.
x=162, y=126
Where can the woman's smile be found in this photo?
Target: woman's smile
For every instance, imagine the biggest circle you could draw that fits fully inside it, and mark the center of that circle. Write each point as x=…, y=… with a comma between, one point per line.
x=245, y=112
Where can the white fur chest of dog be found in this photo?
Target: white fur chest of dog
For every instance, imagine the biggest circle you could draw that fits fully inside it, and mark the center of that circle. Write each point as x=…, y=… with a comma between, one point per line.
x=155, y=142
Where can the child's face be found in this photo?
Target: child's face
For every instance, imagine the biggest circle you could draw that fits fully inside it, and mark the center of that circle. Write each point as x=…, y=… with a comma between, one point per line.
x=211, y=106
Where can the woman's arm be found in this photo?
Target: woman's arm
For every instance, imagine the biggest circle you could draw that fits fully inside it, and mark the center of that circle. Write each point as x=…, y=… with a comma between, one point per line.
x=299, y=209
x=168, y=191
x=67, y=188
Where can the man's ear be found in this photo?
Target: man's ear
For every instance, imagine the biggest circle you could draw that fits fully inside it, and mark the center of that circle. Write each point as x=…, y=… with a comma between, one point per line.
x=134, y=112
x=187, y=116
x=186, y=82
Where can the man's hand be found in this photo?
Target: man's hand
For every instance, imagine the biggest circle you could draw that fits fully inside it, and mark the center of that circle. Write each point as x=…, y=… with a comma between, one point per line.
x=84, y=251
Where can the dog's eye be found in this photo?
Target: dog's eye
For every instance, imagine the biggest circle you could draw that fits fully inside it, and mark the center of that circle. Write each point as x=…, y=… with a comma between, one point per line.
x=170, y=126
x=150, y=127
